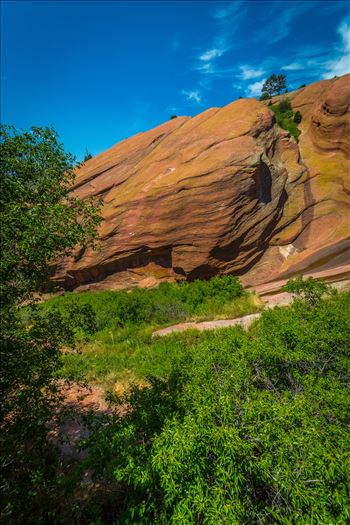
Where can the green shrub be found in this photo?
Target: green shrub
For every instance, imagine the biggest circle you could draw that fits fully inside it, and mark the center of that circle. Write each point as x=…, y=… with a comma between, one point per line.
x=284, y=106
x=297, y=117
x=265, y=96
x=310, y=290
x=284, y=117
x=168, y=303
x=245, y=427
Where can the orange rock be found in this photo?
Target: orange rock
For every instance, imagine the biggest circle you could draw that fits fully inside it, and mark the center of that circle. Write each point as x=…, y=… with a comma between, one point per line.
x=226, y=191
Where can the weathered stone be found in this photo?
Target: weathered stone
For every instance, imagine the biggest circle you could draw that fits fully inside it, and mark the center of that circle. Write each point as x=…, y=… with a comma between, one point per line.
x=227, y=191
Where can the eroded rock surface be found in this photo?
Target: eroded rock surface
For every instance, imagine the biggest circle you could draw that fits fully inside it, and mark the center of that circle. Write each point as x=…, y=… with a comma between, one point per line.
x=227, y=191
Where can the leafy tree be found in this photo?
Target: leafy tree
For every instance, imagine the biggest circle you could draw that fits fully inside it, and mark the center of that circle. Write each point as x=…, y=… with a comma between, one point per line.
x=274, y=84
x=297, y=117
x=173, y=116
x=40, y=221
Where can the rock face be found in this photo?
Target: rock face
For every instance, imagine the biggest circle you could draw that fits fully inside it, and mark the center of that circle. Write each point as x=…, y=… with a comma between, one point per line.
x=227, y=191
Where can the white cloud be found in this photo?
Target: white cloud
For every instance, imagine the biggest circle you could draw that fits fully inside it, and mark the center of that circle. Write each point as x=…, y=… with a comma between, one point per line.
x=249, y=72
x=340, y=63
x=294, y=66
x=225, y=14
x=206, y=68
x=344, y=32
x=253, y=90
x=192, y=95
x=227, y=19
x=211, y=54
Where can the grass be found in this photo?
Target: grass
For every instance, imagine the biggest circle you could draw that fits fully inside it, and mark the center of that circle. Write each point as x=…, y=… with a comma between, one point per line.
x=113, y=330
x=114, y=356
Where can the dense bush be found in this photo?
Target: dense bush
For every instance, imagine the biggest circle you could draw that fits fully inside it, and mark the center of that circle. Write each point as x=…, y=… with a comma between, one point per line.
x=168, y=303
x=284, y=106
x=310, y=290
x=245, y=428
x=285, y=117
x=297, y=117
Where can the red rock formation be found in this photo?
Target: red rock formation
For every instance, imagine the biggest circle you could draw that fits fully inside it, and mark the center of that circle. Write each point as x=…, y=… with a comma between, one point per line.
x=227, y=191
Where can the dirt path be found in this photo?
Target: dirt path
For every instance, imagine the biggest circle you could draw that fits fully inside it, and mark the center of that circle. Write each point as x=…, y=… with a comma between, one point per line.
x=208, y=325
x=68, y=428
x=271, y=295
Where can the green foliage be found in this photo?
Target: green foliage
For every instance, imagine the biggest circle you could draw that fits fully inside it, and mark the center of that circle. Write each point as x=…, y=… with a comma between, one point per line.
x=302, y=86
x=285, y=117
x=284, y=106
x=297, y=117
x=264, y=96
x=309, y=290
x=273, y=84
x=115, y=355
x=173, y=116
x=244, y=427
x=168, y=303
x=40, y=220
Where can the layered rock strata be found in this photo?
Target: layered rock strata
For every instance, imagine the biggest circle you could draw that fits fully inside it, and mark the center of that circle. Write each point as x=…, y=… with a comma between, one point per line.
x=227, y=191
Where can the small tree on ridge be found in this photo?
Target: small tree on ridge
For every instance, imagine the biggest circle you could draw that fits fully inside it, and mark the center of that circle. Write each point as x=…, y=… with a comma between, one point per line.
x=273, y=84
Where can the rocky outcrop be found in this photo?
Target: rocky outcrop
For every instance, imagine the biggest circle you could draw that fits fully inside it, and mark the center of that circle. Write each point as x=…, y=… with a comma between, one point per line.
x=227, y=191
x=323, y=241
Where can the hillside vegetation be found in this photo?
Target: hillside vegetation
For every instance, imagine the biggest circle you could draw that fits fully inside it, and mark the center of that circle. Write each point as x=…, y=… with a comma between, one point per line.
x=231, y=426
x=286, y=118
x=112, y=330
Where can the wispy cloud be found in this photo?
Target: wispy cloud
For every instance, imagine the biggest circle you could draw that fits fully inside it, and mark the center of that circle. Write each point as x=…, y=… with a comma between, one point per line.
x=210, y=54
x=282, y=15
x=194, y=95
x=340, y=63
x=225, y=15
x=294, y=66
x=227, y=21
x=321, y=61
x=248, y=72
x=254, y=89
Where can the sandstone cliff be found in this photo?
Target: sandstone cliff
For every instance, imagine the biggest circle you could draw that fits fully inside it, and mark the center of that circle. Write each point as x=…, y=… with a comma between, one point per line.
x=227, y=191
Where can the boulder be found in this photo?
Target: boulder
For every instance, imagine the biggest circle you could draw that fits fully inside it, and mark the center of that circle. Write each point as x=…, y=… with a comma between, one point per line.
x=227, y=191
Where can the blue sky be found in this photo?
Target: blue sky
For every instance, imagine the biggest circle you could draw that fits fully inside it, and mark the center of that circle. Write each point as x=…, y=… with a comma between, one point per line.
x=101, y=71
